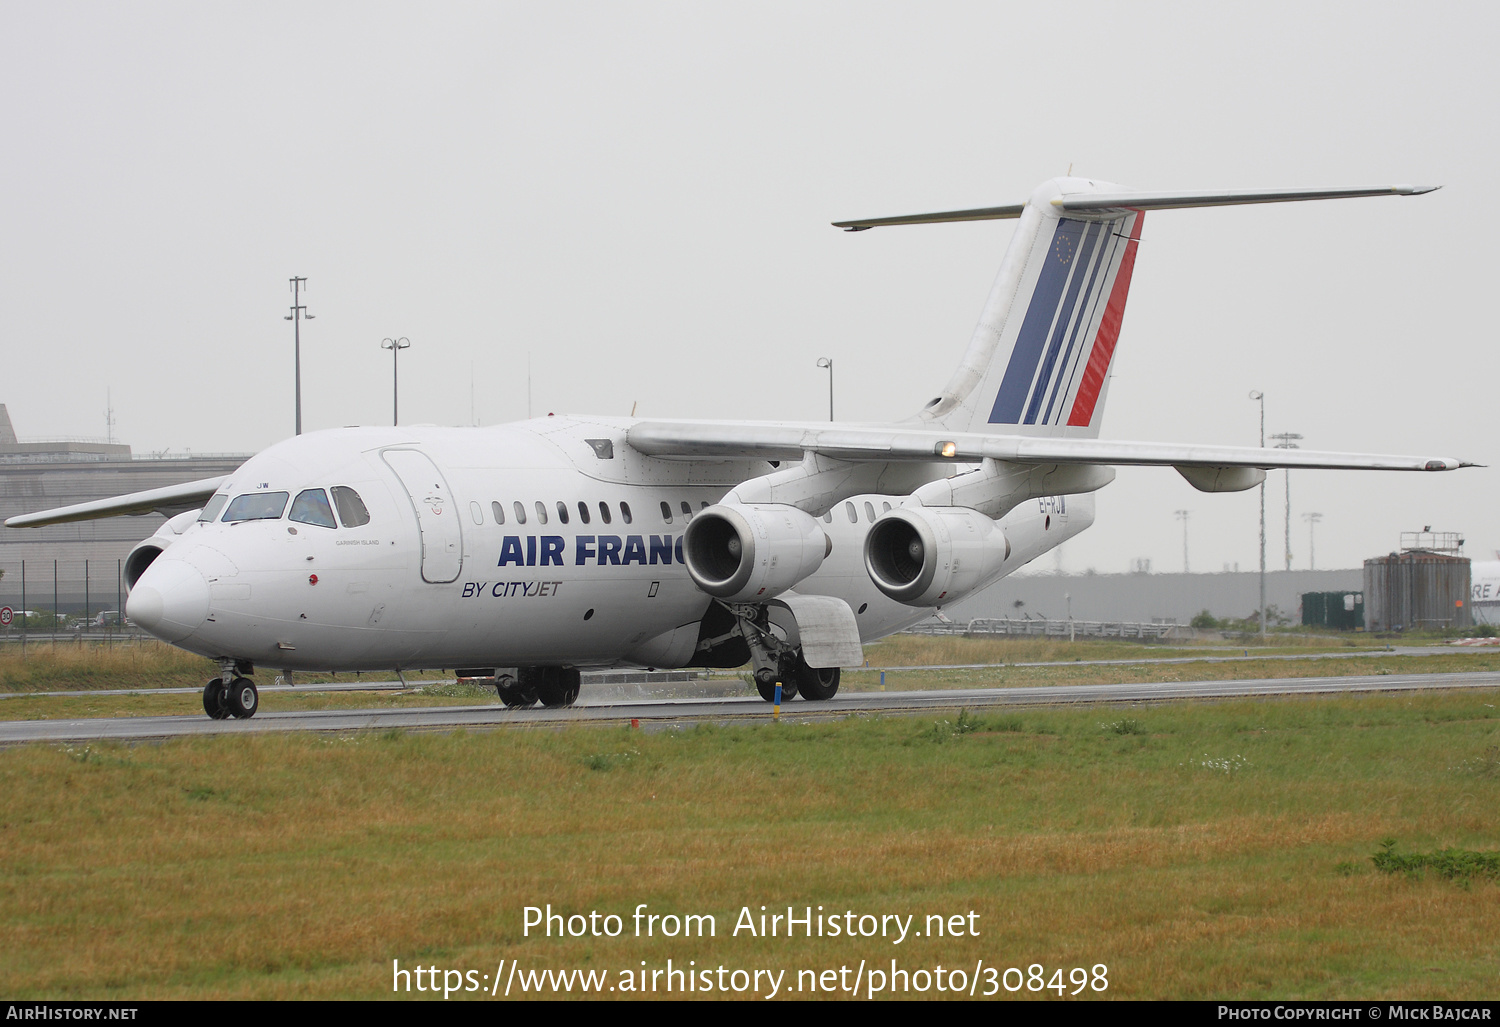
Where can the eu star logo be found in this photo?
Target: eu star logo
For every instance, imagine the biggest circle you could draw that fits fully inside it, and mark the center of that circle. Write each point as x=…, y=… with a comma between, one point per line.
x=1063, y=247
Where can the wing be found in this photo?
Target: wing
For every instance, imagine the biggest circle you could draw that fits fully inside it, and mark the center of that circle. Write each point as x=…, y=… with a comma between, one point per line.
x=173, y=499
x=867, y=443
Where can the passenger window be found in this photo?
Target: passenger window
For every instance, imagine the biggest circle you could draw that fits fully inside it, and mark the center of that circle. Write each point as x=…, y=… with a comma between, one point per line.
x=311, y=507
x=214, y=506
x=849, y=510
x=666, y=511
x=687, y=511
x=352, y=512
x=604, y=511
x=520, y=512
x=828, y=517
x=625, y=512
x=885, y=508
x=583, y=511
x=703, y=505
x=498, y=511
x=541, y=512
x=257, y=506
x=562, y=512
x=869, y=511
x=476, y=512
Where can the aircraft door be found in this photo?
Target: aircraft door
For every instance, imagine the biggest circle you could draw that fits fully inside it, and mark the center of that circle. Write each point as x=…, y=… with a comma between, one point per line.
x=437, y=514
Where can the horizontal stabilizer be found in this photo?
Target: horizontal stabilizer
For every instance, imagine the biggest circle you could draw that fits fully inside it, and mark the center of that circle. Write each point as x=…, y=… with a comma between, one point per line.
x=977, y=214
x=173, y=499
x=1086, y=202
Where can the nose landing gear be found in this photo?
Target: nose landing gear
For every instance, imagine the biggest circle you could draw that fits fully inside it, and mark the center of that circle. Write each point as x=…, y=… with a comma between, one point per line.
x=231, y=694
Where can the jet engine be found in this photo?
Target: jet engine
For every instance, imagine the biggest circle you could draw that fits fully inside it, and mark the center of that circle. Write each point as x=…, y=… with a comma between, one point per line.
x=745, y=553
x=928, y=555
x=145, y=552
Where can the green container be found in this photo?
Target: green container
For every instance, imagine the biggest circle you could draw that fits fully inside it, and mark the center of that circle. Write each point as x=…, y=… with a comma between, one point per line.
x=1342, y=611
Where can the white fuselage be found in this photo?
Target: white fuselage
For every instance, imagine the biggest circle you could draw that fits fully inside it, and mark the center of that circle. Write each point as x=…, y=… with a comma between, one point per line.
x=468, y=560
x=1484, y=591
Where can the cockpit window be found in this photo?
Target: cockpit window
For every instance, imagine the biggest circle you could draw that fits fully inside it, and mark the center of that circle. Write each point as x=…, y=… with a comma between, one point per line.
x=351, y=508
x=256, y=506
x=214, y=506
x=311, y=507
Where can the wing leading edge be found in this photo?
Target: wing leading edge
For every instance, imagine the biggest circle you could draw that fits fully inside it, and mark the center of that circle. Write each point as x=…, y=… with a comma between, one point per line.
x=170, y=500
x=859, y=444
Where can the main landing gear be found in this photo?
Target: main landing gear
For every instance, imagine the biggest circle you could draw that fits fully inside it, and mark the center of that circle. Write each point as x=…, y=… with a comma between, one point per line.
x=232, y=693
x=775, y=659
x=553, y=687
x=817, y=684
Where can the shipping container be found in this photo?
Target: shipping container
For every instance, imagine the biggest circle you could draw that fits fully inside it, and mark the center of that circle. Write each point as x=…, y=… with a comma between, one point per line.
x=1342, y=611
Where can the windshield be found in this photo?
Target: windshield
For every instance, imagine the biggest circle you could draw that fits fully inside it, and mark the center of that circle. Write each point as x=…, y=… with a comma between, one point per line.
x=311, y=507
x=257, y=506
x=351, y=508
x=214, y=506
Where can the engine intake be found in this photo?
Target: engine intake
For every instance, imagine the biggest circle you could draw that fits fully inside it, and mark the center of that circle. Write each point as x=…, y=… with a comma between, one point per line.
x=749, y=552
x=924, y=556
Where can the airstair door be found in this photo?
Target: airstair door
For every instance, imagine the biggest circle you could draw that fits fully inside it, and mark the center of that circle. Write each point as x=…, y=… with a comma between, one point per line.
x=437, y=514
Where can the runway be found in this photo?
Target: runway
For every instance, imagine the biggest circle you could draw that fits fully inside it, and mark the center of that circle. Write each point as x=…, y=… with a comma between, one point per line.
x=608, y=706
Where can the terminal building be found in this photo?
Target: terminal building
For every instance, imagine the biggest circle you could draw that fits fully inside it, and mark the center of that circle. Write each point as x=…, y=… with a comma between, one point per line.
x=79, y=563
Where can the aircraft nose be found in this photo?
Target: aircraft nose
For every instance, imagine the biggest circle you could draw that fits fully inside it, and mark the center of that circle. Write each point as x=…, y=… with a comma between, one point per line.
x=170, y=600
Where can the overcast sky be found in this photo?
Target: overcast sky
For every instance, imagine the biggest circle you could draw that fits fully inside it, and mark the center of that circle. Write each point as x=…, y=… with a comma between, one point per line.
x=635, y=198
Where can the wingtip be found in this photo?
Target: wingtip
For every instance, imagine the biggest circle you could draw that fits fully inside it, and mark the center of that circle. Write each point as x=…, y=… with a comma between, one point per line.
x=1415, y=190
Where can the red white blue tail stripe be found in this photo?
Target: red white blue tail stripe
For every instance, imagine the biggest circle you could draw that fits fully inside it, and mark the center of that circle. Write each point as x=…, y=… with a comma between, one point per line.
x=1060, y=355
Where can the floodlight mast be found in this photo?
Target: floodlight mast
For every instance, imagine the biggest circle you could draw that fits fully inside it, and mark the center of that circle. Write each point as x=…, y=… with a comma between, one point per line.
x=395, y=346
x=298, y=314
x=1260, y=397
x=1287, y=440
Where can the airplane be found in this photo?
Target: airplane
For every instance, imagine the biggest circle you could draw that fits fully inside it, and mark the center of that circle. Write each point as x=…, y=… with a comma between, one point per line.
x=527, y=551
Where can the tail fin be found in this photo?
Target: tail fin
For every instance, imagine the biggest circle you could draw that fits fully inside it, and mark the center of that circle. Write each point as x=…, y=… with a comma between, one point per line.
x=1038, y=363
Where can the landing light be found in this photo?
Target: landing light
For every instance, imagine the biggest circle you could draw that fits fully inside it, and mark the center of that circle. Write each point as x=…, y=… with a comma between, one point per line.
x=948, y=449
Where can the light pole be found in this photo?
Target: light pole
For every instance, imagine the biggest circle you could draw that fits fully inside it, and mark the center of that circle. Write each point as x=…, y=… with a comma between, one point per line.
x=1312, y=520
x=1182, y=515
x=1260, y=397
x=1287, y=440
x=828, y=363
x=395, y=346
x=297, y=316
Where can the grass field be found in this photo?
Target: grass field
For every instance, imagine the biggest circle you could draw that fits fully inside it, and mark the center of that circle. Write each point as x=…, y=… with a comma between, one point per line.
x=1199, y=851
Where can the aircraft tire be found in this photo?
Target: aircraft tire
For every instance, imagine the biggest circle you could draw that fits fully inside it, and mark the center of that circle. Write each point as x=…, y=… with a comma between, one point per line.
x=557, y=687
x=243, y=698
x=816, y=683
x=215, y=700
x=768, y=692
x=516, y=696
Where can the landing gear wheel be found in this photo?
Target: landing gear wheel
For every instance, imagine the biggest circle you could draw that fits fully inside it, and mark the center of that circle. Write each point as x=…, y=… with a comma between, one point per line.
x=514, y=695
x=215, y=700
x=555, y=686
x=243, y=698
x=816, y=683
x=767, y=689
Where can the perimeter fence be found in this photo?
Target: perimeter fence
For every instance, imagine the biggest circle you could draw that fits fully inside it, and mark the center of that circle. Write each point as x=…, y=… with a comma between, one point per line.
x=63, y=600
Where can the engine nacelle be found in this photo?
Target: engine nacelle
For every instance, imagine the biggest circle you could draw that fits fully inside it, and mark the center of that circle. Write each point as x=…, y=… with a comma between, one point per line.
x=744, y=553
x=147, y=551
x=928, y=555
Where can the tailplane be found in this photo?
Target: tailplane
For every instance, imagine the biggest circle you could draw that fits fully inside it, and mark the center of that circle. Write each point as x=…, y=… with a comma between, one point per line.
x=1039, y=360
